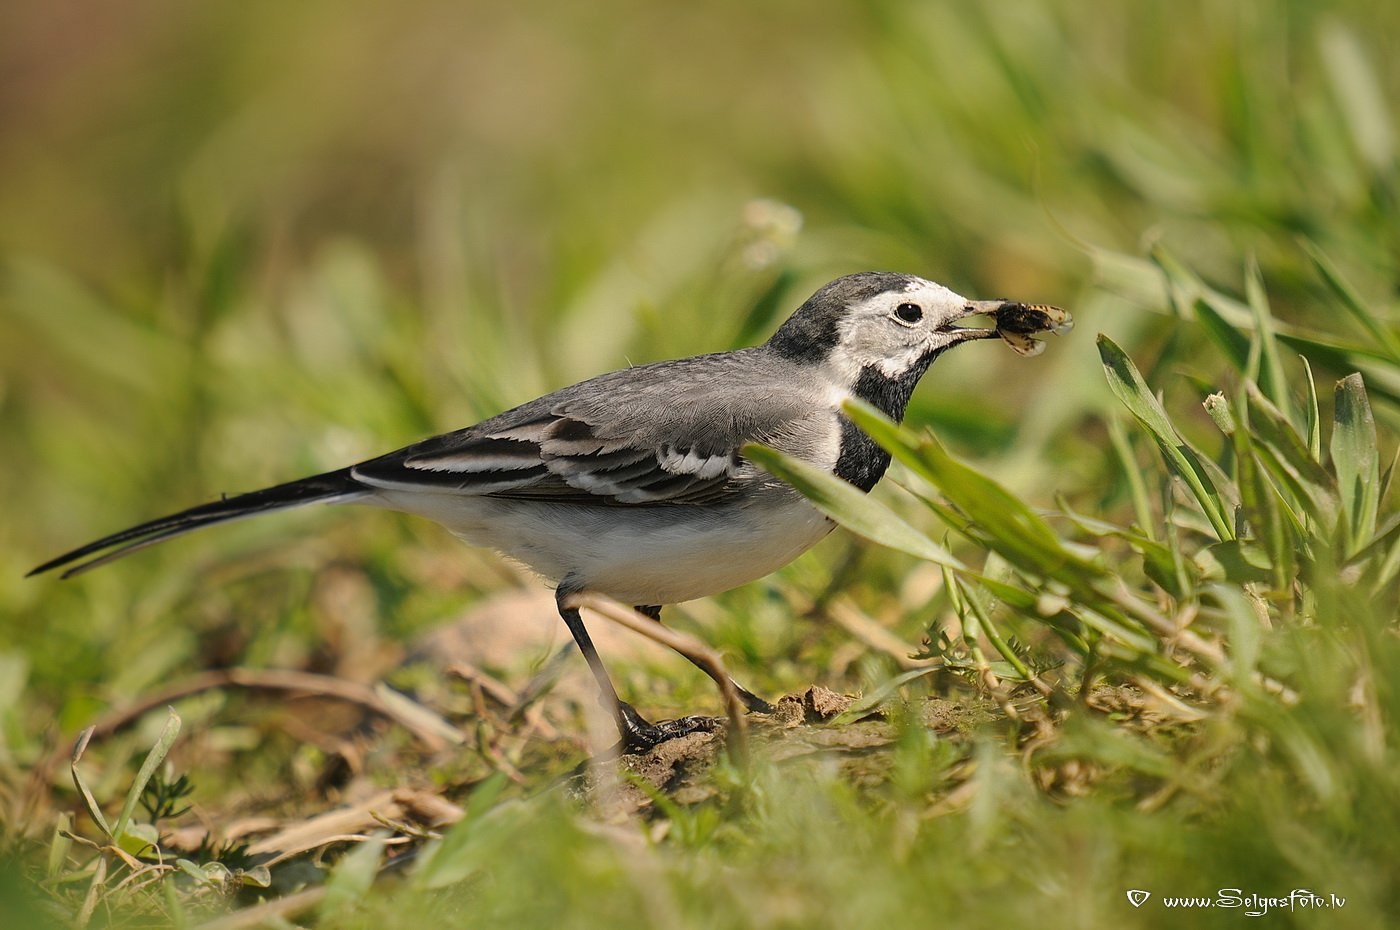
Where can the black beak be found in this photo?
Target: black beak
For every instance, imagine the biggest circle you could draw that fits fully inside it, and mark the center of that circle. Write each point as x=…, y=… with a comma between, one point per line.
x=959, y=334
x=1016, y=324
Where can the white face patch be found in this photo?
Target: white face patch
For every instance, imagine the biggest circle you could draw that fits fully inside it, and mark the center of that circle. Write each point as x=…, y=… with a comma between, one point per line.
x=874, y=334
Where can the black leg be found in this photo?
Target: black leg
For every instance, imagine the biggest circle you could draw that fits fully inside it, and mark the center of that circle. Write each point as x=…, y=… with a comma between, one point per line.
x=753, y=702
x=637, y=733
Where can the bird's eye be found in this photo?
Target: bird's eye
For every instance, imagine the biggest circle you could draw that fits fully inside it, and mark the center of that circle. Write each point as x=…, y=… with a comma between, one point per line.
x=909, y=313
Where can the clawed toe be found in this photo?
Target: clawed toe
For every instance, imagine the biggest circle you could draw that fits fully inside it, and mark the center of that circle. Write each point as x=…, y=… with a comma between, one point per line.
x=684, y=726
x=640, y=735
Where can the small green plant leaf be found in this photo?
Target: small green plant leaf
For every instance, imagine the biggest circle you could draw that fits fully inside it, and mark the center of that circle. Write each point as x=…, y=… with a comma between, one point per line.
x=259, y=876
x=193, y=870
x=138, y=838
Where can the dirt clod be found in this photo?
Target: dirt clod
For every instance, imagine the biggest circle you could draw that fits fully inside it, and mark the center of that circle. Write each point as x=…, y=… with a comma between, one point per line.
x=823, y=704
x=815, y=705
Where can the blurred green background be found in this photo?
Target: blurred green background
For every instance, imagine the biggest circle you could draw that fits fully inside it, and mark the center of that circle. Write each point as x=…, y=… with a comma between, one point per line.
x=245, y=242
x=242, y=242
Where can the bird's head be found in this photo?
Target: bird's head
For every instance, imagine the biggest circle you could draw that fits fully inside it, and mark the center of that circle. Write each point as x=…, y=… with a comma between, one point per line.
x=880, y=324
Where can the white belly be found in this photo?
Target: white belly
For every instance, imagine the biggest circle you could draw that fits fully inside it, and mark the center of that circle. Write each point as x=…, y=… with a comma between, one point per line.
x=639, y=555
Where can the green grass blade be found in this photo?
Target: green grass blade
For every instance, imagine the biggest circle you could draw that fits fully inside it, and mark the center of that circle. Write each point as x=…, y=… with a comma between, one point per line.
x=352, y=878
x=1064, y=622
x=1356, y=459
x=1266, y=367
x=1158, y=559
x=989, y=629
x=89, y=801
x=1360, y=93
x=59, y=845
x=1351, y=301
x=1003, y=522
x=1388, y=476
x=1183, y=287
x=1273, y=427
x=999, y=521
x=452, y=858
x=1127, y=385
x=1314, y=415
x=154, y=758
x=849, y=506
x=1137, y=488
x=1383, y=380
x=1226, y=335
x=1261, y=510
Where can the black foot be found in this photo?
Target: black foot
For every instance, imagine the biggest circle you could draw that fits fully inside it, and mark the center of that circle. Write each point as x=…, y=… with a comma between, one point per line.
x=640, y=735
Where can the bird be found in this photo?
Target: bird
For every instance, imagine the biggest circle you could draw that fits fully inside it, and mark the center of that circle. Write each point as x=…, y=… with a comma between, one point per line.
x=633, y=484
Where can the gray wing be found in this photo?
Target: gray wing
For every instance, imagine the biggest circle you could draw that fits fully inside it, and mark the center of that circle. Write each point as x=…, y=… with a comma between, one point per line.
x=668, y=433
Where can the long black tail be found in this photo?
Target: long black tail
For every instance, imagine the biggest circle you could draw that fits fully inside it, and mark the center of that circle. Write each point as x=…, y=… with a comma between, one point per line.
x=332, y=486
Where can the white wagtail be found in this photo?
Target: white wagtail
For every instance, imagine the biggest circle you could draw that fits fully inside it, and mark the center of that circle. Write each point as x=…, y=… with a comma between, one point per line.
x=631, y=484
